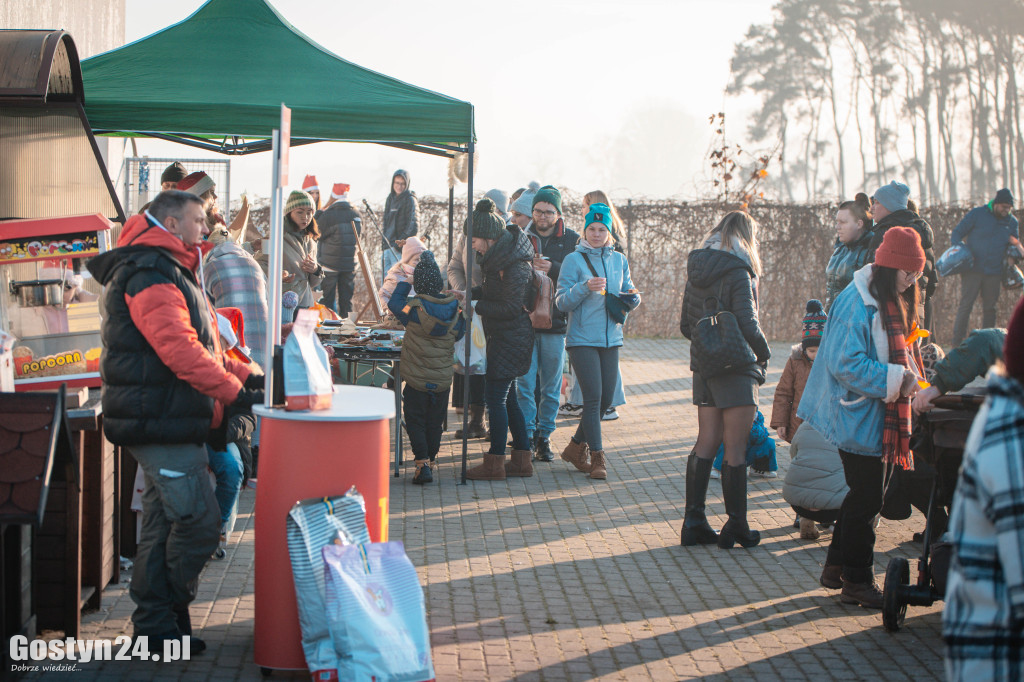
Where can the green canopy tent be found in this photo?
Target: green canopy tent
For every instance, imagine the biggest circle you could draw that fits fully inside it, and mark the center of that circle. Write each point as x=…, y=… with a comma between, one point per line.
x=217, y=81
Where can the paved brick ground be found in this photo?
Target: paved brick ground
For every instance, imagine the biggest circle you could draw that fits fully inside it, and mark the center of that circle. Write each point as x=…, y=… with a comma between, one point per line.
x=557, y=577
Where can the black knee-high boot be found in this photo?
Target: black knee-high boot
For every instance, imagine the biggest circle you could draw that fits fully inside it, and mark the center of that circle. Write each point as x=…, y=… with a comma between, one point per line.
x=696, y=529
x=734, y=490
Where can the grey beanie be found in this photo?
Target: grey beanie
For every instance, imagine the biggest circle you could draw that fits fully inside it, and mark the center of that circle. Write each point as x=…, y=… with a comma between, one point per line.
x=524, y=204
x=500, y=200
x=893, y=196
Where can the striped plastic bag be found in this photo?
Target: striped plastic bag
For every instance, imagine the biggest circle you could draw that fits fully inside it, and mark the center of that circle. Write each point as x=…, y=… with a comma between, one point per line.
x=376, y=611
x=313, y=524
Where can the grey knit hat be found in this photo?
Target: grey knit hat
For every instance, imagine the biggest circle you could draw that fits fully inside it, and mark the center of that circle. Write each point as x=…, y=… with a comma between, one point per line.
x=524, y=204
x=487, y=224
x=500, y=200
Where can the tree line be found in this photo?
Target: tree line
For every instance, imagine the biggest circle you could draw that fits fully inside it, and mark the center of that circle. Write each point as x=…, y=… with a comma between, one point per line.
x=855, y=93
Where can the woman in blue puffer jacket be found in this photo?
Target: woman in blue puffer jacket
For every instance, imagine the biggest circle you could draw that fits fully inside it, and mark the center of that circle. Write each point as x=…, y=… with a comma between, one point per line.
x=589, y=274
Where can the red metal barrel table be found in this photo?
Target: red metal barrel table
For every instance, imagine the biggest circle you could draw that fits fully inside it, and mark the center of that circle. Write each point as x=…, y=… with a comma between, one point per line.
x=312, y=454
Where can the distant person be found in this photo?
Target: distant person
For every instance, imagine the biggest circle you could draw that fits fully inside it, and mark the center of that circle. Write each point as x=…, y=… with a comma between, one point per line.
x=401, y=219
x=726, y=266
x=235, y=280
x=172, y=175
x=505, y=256
x=983, y=620
x=853, y=246
x=541, y=385
x=986, y=231
x=500, y=199
x=891, y=207
x=521, y=208
x=590, y=274
x=301, y=271
x=794, y=377
x=311, y=187
x=432, y=326
x=340, y=228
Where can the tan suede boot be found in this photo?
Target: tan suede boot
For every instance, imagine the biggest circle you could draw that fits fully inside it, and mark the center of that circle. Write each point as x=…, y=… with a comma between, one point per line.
x=576, y=454
x=598, y=469
x=492, y=469
x=520, y=464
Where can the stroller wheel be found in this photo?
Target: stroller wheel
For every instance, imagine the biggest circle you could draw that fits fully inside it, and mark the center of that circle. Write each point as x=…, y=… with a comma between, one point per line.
x=894, y=604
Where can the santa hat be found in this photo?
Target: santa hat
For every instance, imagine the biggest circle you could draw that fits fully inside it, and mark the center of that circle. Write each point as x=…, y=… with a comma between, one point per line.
x=340, y=191
x=197, y=183
x=231, y=326
x=309, y=184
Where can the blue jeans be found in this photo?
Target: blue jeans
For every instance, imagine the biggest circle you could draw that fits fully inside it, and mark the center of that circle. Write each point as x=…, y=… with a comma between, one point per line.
x=541, y=386
x=387, y=259
x=228, y=470
x=504, y=414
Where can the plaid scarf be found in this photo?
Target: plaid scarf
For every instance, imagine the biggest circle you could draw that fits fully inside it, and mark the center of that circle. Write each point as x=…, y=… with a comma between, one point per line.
x=896, y=430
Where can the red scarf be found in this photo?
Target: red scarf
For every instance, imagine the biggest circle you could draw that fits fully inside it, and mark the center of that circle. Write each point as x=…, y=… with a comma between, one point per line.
x=896, y=431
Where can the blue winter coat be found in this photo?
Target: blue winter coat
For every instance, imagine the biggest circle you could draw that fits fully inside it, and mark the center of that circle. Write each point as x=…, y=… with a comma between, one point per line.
x=589, y=324
x=851, y=380
x=986, y=236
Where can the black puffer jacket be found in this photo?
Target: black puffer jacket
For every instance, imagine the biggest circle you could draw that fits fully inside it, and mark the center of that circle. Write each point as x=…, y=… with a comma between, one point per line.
x=907, y=218
x=401, y=213
x=507, y=271
x=708, y=270
x=337, y=249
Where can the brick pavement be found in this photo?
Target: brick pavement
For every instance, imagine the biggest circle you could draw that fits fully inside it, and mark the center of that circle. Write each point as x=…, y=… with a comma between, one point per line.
x=557, y=577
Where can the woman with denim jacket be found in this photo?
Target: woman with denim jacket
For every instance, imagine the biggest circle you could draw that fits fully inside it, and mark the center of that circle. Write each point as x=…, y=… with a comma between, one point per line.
x=858, y=398
x=725, y=268
x=592, y=337
x=853, y=237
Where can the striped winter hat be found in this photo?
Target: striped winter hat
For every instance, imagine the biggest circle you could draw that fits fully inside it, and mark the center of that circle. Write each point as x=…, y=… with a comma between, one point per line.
x=298, y=199
x=814, y=323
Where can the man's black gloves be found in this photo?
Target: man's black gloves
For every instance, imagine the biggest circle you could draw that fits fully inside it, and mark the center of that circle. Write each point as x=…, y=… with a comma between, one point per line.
x=248, y=397
x=255, y=381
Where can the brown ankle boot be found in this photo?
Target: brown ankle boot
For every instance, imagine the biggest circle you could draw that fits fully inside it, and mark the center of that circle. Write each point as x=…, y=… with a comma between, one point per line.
x=476, y=426
x=598, y=469
x=492, y=469
x=866, y=594
x=520, y=464
x=576, y=454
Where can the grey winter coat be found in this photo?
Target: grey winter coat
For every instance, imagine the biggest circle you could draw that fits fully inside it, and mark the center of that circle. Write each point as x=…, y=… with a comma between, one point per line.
x=815, y=478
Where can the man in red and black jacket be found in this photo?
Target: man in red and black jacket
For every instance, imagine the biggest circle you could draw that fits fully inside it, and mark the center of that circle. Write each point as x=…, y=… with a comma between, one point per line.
x=541, y=386
x=166, y=381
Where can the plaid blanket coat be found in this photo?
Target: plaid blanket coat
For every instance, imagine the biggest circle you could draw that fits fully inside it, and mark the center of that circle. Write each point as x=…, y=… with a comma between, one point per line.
x=983, y=621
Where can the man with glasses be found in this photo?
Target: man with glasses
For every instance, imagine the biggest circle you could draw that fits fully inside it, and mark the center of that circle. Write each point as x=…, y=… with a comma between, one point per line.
x=539, y=389
x=986, y=231
x=891, y=207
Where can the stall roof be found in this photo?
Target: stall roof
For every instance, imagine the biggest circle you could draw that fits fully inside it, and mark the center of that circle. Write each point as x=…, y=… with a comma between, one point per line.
x=217, y=80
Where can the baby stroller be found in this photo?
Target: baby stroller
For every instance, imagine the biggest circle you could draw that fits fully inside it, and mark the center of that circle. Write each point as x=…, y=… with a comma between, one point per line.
x=940, y=439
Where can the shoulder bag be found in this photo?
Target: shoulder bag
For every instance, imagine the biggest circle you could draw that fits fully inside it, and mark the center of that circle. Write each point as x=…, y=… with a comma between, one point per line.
x=616, y=307
x=717, y=345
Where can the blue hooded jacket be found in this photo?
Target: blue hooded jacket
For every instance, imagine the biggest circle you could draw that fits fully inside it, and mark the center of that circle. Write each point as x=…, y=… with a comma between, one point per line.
x=589, y=324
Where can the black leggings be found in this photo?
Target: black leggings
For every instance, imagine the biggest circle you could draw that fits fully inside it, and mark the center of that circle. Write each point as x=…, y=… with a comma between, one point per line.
x=597, y=372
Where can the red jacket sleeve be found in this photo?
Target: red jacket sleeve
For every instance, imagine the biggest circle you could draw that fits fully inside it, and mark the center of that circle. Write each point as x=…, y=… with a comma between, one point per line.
x=161, y=315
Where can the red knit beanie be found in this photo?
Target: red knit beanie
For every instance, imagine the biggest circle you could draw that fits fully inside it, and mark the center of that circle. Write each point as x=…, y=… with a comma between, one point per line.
x=196, y=183
x=1013, y=347
x=901, y=250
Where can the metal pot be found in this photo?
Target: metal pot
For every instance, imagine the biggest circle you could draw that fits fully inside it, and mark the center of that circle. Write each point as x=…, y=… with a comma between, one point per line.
x=39, y=292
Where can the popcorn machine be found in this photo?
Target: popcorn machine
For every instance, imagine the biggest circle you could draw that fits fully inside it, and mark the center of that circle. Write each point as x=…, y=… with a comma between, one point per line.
x=48, y=301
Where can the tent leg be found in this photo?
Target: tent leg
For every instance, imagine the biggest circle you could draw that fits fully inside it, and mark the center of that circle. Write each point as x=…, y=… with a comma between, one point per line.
x=469, y=288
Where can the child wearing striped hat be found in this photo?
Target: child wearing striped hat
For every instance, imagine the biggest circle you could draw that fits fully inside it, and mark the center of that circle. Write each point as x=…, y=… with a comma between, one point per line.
x=798, y=368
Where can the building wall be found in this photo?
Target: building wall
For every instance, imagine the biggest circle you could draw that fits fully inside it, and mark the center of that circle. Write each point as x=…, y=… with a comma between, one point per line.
x=96, y=27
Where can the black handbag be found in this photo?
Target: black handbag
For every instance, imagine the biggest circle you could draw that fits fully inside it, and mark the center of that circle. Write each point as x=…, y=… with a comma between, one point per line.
x=616, y=307
x=717, y=346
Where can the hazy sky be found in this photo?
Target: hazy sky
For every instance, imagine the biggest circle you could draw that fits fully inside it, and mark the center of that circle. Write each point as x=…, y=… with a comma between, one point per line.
x=582, y=94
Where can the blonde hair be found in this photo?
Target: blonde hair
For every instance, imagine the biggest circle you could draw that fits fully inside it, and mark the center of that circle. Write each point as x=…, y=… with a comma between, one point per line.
x=738, y=232
x=599, y=197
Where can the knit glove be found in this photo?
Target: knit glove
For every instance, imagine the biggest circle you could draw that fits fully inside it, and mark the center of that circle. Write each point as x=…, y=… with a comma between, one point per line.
x=255, y=381
x=247, y=398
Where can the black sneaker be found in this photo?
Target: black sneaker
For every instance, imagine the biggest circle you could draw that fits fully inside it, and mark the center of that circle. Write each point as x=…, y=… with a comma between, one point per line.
x=543, y=451
x=424, y=474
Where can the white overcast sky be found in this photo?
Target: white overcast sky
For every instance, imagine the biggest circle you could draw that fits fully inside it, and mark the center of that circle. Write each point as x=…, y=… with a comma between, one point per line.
x=584, y=94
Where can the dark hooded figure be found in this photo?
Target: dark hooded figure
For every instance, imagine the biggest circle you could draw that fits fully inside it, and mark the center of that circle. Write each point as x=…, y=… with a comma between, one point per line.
x=401, y=219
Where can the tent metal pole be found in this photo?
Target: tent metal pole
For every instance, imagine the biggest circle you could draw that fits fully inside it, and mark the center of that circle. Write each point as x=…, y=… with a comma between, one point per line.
x=469, y=311
x=451, y=220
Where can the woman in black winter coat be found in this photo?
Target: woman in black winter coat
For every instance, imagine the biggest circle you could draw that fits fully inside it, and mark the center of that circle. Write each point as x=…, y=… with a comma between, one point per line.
x=724, y=268
x=505, y=255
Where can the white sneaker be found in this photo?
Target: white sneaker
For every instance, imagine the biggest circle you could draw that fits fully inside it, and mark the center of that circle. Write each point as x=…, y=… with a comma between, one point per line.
x=716, y=473
x=570, y=410
x=757, y=473
x=609, y=415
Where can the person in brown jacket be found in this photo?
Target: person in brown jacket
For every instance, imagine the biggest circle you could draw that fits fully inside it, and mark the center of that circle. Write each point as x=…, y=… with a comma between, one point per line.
x=794, y=376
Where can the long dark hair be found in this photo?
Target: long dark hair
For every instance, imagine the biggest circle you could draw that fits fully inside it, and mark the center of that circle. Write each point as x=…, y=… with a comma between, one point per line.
x=883, y=288
x=312, y=230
